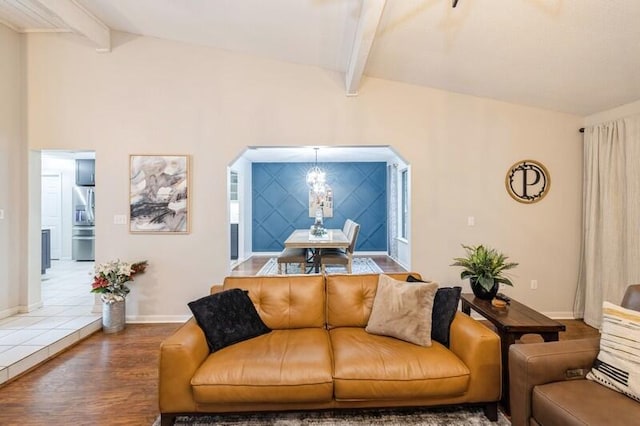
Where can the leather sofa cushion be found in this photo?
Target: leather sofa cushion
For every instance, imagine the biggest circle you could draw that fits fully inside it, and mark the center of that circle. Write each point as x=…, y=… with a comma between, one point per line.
x=350, y=298
x=563, y=403
x=285, y=302
x=374, y=367
x=284, y=366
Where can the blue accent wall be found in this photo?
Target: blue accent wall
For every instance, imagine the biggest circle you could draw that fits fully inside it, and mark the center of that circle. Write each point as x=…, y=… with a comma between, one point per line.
x=281, y=197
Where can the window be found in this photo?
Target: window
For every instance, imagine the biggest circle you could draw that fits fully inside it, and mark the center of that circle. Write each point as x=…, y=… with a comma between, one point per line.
x=233, y=189
x=404, y=204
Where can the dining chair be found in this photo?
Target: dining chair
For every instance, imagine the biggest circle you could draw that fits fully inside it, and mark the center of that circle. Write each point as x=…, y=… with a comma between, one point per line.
x=346, y=228
x=341, y=257
x=292, y=255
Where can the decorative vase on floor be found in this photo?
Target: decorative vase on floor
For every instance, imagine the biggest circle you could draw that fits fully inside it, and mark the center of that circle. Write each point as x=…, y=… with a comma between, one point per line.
x=482, y=293
x=110, y=281
x=113, y=316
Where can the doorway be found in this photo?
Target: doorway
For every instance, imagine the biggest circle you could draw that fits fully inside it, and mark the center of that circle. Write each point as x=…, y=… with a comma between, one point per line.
x=69, y=275
x=395, y=238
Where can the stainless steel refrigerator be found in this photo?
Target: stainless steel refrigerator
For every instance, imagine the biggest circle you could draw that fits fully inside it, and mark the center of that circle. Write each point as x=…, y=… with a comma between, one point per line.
x=83, y=234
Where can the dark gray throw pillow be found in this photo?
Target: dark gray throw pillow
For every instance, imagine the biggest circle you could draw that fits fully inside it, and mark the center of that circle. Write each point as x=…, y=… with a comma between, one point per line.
x=227, y=317
x=445, y=305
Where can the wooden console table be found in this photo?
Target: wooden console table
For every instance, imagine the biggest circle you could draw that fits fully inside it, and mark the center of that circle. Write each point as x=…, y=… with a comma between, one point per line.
x=511, y=324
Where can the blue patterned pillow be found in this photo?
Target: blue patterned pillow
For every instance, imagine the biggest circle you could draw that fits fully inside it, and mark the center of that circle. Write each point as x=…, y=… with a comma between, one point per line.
x=227, y=317
x=445, y=306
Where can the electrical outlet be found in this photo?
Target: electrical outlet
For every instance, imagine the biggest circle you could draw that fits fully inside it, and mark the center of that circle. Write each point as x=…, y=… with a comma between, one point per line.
x=471, y=221
x=1, y=213
x=534, y=284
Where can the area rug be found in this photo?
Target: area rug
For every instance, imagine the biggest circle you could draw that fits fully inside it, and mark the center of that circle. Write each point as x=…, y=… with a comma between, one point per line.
x=437, y=416
x=361, y=265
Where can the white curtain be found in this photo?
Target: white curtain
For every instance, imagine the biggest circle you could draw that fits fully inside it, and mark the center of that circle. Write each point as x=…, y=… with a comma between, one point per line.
x=610, y=258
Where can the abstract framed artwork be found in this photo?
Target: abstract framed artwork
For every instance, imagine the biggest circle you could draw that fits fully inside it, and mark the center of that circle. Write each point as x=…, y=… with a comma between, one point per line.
x=324, y=200
x=159, y=196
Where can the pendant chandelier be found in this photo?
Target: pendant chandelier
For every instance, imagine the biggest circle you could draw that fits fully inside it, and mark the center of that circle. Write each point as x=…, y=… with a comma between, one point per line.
x=317, y=178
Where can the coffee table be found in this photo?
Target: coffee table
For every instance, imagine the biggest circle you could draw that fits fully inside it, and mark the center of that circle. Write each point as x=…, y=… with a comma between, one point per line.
x=512, y=322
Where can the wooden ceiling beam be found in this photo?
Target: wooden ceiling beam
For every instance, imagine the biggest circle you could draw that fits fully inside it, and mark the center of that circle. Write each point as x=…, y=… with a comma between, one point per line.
x=81, y=21
x=365, y=34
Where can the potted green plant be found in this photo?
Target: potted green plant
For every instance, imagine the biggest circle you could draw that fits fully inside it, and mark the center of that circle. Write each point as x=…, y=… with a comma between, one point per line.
x=484, y=267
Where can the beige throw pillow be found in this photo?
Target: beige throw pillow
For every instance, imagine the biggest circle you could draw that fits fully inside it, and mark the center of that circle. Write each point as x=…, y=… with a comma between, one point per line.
x=403, y=310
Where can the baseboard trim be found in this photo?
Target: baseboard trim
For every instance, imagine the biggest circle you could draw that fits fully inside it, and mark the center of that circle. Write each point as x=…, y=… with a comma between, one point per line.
x=154, y=319
x=553, y=315
x=561, y=315
x=370, y=253
x=405, y=266
x=9, y=312
x=30, y=308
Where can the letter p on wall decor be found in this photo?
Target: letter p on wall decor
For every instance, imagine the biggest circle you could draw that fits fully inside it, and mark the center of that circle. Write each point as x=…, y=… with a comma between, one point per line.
x=528, y=181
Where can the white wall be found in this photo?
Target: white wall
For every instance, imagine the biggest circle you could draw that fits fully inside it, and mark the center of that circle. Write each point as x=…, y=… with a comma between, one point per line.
x=155, y=96
x=13, y=174
x=31, y=290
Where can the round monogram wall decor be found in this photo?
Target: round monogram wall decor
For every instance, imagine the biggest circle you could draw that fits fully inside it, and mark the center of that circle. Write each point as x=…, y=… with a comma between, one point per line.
x=528, y=181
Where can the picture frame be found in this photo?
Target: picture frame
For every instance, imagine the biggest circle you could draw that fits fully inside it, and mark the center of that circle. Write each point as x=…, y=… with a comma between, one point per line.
x=325, y=201
x=159, y=198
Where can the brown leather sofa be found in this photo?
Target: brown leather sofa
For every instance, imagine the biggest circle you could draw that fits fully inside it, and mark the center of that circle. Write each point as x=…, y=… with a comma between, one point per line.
x=548, y=387
x=319, y=356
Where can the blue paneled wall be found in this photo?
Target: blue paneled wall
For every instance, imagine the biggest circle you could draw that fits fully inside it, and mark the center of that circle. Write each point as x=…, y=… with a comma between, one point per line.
x=281, y=197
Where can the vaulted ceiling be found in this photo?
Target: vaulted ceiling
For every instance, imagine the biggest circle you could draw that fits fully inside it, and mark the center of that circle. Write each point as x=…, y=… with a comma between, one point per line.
x=575, y=56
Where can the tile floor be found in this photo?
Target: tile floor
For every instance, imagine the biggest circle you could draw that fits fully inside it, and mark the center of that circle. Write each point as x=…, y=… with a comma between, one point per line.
x=29, y=339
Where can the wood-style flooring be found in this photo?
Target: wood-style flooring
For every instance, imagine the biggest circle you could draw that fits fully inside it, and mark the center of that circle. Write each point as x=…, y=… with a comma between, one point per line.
x=111, y=379
x=106, y=379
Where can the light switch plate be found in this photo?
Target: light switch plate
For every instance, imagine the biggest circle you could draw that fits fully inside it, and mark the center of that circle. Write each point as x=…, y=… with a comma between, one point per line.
x=119, y=219
x=1, y=213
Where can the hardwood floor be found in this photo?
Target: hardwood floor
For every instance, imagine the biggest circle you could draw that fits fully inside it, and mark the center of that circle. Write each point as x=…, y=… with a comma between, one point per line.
x=111, y=379
x=577, y=329
x=106, y=379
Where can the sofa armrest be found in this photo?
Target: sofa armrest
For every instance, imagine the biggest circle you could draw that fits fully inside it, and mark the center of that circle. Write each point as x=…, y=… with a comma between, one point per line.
x=216, y=288
x=539, y=363
x=180, y=356
x=479, y=348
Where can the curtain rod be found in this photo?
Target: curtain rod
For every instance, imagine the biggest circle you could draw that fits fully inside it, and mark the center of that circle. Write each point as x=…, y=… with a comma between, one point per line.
x=581, y=130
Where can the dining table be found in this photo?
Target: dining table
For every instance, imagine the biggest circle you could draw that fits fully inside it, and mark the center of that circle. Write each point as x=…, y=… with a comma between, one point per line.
x=302, y=238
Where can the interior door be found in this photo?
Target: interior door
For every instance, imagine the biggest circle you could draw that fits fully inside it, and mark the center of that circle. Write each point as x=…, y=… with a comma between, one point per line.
x=52, y=211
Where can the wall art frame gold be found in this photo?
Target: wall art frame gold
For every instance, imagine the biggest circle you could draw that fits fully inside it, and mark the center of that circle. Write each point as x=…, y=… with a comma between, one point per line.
x=159, y=194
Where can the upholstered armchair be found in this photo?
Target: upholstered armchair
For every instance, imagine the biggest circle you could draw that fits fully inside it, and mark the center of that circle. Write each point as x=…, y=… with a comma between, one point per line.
x=548, y=384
